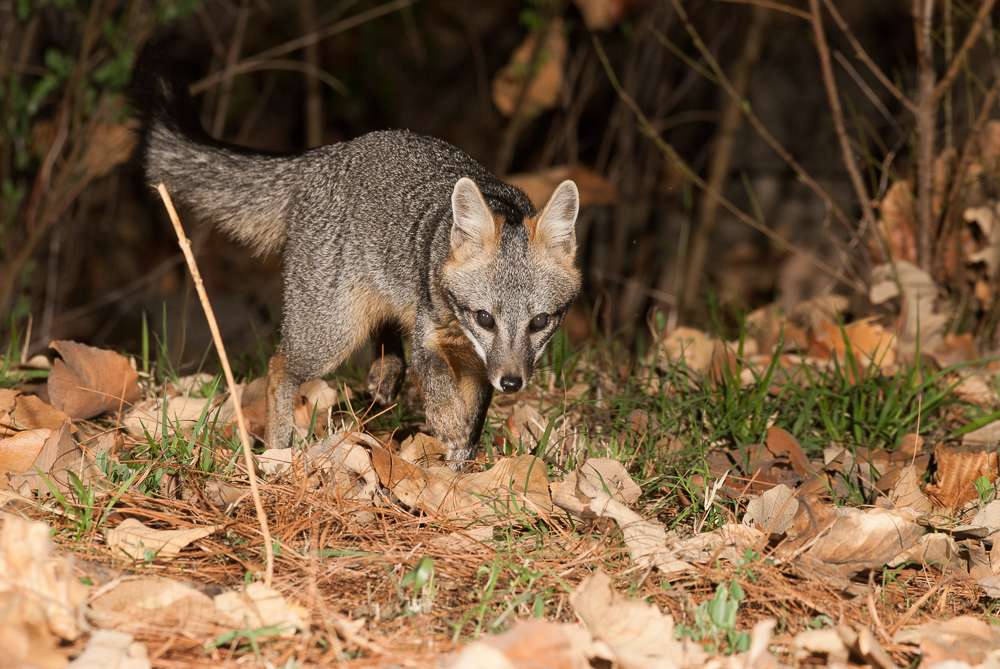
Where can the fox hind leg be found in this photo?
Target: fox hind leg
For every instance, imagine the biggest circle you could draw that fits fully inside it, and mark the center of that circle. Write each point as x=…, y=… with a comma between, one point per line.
x=281, y=389
x=385, y=378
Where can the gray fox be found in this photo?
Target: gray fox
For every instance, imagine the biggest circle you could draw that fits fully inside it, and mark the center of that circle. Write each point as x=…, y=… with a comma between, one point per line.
x=388, y=234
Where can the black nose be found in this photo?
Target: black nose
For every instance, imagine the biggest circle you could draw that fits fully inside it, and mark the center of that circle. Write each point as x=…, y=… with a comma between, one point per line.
x=510, y=384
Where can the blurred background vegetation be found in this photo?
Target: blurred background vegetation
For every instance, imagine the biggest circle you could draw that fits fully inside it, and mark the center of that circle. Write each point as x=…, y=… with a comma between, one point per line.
x=730, y=153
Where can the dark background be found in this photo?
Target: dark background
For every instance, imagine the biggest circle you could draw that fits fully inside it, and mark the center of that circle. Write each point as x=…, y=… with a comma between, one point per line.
x=86, y=249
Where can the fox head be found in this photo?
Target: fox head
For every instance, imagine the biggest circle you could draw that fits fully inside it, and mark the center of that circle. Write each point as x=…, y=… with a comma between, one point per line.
x=510, y=283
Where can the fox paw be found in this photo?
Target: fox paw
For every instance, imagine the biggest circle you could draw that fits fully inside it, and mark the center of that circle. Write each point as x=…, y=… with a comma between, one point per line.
x=385, y=378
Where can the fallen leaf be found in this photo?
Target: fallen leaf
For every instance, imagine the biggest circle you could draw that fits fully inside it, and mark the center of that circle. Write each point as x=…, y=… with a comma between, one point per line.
x=595, y=189
x=109, y=648
x=87, y=381
x=18, y=453
x=773, y=511
x=687, y=344
x=255, y=607
x=536, y=643
x=544, y=76
x=956, y=473
x=964, y=639
x=47, y=594
x=630, y=625
x=133, y=540
x=512, y=485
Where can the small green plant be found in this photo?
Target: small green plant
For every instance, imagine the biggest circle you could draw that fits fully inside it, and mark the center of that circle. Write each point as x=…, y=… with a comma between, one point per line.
x=421, y=580
x=985, y=490
x=715, y=621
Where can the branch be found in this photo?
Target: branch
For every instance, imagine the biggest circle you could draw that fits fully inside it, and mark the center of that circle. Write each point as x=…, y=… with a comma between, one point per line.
x=956, y=63
x=671, y=154
x=860, y=192
x=755, y=122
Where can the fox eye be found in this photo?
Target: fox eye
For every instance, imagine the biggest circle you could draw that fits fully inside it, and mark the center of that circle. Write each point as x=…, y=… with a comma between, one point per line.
x=484, y=319
x=539, y=322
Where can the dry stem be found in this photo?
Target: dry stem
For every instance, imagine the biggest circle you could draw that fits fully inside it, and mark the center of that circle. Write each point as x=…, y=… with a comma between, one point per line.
x=185, y=245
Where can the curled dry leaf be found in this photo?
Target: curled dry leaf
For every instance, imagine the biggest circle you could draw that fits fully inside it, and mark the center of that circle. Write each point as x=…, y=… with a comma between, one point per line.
x=27, y=412
x=87, y=381
x=687, y=344
x=512, y=485
x=850, y=540
x=773, y=511
x=255, y=607
x=964, y=639
x=918, y=313
x=595, y=189
x=109, y=648
x=47, y=594
x=538, y=643
x=18, y=452
x=60, y=455
x=423, y=450
x=956, y=474
x=181, y=412
x=544, y=76
x=936, y=550
x=135, y=603
x=133, y=540
x=628, y=625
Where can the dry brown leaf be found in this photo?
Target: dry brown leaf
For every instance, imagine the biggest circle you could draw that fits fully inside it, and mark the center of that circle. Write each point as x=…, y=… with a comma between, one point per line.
x=140, y=601
x=630, y=626
x=600, y=14
x=18, y=453
x=897, y=222
x=255, y=607
x=59, y=456
x=131, y=539
x=517, y=483
x=906, y=493
x=423, y=450
x=87, y=381
x=847, y=541
x=538, y=643
x=611, y=477
x=111, y=649
x=932, y=550
x=956, y=474
x=917, y=311
x=773, y=511
x=147, y=417
x=27, y=412
x=525, y=427
x=595, y=189
x=978, y=389
x=965, y=639
x=691, y=345
x=547, y=71
x=47, y=593
x=25, y=643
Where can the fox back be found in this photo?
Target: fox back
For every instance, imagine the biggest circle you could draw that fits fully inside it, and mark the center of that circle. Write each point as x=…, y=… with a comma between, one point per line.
x=391, y=233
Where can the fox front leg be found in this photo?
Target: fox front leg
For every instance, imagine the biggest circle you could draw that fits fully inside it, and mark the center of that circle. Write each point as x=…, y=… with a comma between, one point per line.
x=456, y=396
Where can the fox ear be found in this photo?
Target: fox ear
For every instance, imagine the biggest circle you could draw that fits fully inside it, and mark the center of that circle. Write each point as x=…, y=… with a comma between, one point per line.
x=556, y=225
x=473, y=221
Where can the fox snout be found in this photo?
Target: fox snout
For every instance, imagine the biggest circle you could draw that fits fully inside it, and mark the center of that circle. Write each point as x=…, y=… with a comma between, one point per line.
x=510, y=384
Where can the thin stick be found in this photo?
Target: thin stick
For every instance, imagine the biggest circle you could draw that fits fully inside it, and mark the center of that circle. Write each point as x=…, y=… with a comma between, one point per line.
x=847, y=153
x=671, y=154
x=185, y=245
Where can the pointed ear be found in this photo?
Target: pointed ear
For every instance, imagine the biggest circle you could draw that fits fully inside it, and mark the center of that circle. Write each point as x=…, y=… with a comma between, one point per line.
x=556, y=225
x=473, y=222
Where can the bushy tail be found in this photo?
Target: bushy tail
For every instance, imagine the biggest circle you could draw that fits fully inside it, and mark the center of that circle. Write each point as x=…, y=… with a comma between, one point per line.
x=245, y=193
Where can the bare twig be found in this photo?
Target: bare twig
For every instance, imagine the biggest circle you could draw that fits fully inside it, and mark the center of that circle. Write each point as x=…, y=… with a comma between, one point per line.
x=314, y=98
x=764, y=133
x=671, y=154
x=970, y=40
x=185, y=245
x=863, y=56
x=225, y=92
x=951, y=215
x=847, y=153
x=298, y=43
x=926, y=117
x=718, y=171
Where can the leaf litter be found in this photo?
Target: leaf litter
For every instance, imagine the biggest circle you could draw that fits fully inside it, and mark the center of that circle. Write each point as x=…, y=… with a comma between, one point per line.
x=155, y=561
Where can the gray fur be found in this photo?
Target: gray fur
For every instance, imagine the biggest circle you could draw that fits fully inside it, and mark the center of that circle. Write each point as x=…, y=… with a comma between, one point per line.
x=367, y=227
